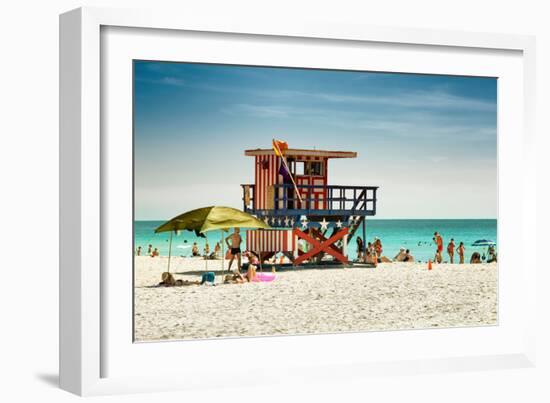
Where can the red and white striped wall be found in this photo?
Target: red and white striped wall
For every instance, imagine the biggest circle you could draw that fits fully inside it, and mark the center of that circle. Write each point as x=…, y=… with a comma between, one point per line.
x=267, y=174
x=270, y=241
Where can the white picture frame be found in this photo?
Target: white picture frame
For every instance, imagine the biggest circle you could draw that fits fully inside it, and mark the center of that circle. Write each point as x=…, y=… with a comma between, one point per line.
x=84, y=304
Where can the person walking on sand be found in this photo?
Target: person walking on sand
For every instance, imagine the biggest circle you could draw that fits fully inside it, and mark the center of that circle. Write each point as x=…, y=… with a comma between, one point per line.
x=460, y=251
x=439, y=242
x=451, y=250
x=233, y=242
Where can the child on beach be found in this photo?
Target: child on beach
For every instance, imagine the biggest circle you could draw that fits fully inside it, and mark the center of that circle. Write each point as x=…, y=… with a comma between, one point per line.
x=451, y=250
x=460, y=251
x=155, y=252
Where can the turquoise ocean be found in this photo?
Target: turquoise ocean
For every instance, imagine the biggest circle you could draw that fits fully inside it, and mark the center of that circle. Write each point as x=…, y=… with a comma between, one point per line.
x=415, y=235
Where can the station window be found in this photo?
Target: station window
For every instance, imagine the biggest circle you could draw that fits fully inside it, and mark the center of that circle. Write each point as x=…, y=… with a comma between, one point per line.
x=300, y=167
x=314, y=168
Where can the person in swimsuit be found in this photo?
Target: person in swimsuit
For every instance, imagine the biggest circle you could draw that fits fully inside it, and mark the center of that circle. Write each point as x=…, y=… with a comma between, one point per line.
x=359, y=248
x=439, y=242
x=408, y=257
x=460, y=251
x=400, y=257
x=451, y=250
x=138, y=251
x=150, y=250
x=233, y=242
x=195, y=249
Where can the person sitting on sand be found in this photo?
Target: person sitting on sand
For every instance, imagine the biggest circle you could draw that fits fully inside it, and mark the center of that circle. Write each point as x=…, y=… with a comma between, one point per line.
x=400, y=257
x=491, y=255
x=155, y=253
x=408, y=257
x=451, y=250
x=138, y=251
x=370, y=254
x=195, y=250
x=460, y=250
x=251, y=273
x=378, y=250
x=233, y=242
x=476, y=258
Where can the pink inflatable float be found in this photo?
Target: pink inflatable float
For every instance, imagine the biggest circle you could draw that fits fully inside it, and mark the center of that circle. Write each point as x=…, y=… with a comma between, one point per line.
x=265, y=277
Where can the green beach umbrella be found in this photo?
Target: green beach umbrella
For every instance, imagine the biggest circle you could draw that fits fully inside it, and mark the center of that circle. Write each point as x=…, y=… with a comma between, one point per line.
x=207, y=219
x=211, y=218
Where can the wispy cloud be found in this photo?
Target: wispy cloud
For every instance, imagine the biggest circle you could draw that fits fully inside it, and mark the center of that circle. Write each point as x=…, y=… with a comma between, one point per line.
x=405, y=99
x=167, y=80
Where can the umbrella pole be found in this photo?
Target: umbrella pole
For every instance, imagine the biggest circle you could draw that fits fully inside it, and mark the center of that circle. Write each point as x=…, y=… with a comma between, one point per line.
x=223, y=255
x=206, y=254
x=169, y=251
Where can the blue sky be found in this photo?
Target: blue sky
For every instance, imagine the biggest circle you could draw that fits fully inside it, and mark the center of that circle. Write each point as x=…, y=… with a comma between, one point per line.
x=428, y=141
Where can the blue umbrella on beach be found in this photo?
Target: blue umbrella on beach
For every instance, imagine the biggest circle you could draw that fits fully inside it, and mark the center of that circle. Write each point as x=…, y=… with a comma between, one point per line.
x=484, y=242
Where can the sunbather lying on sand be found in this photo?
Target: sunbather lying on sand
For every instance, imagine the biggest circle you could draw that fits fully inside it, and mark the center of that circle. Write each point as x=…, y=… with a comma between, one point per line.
x=168, y=280
x=238, y=278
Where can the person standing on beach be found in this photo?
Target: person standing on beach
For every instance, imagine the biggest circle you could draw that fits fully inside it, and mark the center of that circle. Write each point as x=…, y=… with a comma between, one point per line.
x=359, y=248
x=439, y=242
x=150, y=250
x=233, y=242
x=138, y=251
x=460, y=251
x=195, y=250
x=451, y=250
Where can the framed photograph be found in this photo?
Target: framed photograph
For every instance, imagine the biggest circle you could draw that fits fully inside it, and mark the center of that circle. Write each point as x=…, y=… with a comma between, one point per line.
x=251, y=199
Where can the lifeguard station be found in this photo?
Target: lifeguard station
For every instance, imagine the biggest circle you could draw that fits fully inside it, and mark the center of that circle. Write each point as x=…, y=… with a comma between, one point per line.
x=292, y=194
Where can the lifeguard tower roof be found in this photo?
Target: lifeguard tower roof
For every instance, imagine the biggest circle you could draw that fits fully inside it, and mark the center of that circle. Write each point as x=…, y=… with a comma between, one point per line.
x=297, y=152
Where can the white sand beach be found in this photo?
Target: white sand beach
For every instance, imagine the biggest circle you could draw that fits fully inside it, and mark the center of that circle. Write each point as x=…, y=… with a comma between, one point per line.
x=303, y=301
